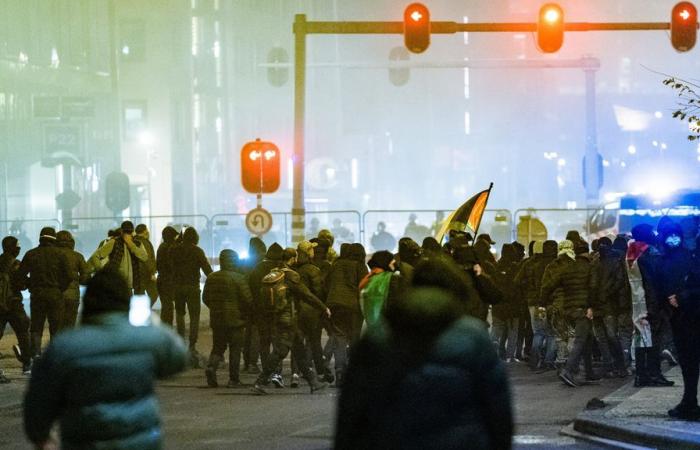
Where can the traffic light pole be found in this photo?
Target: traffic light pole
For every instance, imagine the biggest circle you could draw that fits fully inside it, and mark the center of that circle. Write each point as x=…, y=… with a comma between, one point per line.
x=302, y=28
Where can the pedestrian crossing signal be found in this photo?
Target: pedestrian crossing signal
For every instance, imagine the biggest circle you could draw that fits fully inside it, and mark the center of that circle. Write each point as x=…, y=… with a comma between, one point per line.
x=684, y=26
x=550, y=28
x=416, y=31
x=260, y=167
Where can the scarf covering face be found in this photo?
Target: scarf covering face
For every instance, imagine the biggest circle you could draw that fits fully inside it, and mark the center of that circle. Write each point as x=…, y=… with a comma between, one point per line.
x=566, y=247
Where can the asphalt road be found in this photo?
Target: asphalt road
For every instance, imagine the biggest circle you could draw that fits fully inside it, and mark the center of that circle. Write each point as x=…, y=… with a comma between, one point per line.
x=197, y=417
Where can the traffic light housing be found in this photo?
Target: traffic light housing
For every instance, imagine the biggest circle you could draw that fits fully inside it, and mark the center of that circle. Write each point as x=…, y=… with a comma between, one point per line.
x=260, y=167
x=117, y=192
x=684, y=26
x=416, y=27
x=550, y=28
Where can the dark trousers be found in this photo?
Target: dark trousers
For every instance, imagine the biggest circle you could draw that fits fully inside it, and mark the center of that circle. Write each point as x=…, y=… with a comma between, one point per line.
x=582, y=333
x=151, y=291
x=686, y=335
x=233, y=339
x=19, y=322
x=45, y=303
x=605, y=332
x=187, y=299
x=251, y=343
x=310, y=333
x=344, y=325
x=284, y=339
x=264, y=324
x=71, y=302
x=167, y=303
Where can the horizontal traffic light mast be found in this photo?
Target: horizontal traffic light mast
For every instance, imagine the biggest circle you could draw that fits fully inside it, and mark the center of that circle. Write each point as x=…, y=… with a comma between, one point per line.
x=325, y=27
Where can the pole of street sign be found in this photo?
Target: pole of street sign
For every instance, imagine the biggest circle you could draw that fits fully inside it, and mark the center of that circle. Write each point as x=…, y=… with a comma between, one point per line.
x=298, y=210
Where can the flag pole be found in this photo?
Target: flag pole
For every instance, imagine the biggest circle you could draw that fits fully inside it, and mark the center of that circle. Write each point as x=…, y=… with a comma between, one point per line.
x=488, y=195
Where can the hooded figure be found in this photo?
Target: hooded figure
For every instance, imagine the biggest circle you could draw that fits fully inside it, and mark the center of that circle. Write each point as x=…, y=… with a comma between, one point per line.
x=430, y=355
x=505, y=315
x=256, y=253
x=166, y=274
x=79, y=274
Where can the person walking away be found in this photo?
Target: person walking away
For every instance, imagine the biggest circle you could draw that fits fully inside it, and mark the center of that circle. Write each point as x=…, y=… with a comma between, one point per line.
x=382, y=239
x=429, y=379
x=343, y=300
x=79, y=275
x=166, y=275
x=263, y=317
x=572, y=276
x=281, y=293
x=227, y=294
x=188, y=261
x=147, y=269
x=504, y=332
x=251, y=343
x=97, y=380
x=45, y=271
x=122, y=253
x=11, y=308
x=680, y=275
x=310, y=320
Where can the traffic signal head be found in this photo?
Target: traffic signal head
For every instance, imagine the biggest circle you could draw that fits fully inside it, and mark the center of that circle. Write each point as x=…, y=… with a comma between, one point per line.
x=260, y=167
x=550, y=28
x=684, y=26
x=416, y=27
x=117, y=192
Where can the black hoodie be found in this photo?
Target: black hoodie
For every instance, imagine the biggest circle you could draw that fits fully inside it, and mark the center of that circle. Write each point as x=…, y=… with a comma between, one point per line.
x=273, y=260
x=189, y=259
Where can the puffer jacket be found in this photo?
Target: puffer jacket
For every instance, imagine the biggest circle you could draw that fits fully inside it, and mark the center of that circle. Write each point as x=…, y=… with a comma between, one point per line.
x=228, y=297
x=343, y=282
x=46, y=267
x=529, y=279
x=273, y=260
x=78, y=269
x=451, y=392
x=506, y=270
x=573, y=278
x=611, y=294
x=97, y=381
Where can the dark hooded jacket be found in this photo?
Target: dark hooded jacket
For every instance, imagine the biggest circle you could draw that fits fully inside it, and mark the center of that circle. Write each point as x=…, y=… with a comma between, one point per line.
x=611, y=290
x=429, y=380
x=227, y=294
x=674, y=265
x=343, y=281
x=273, y=260
x=256, y=253
x=77, y=266
x=147, y=269
x=506, y=270
x=529, y=278
x=189, y=259
x=44, y=267
x=688, y=293
x=164, y=258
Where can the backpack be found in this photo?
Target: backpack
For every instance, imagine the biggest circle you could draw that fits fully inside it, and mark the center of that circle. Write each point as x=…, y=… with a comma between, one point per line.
x=273, y=292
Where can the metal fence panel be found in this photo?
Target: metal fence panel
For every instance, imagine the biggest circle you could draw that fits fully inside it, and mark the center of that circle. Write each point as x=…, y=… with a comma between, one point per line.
x=558, y=222
x=346, y=226
x=229, y=232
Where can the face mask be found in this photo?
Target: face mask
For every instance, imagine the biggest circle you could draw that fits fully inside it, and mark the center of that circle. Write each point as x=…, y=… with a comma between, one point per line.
x=673, y=241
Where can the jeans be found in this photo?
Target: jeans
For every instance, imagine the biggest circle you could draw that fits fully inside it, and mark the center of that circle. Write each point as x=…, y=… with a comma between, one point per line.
x=544, y=339
x=505, y=330
x=582, y=332
x=187, y=299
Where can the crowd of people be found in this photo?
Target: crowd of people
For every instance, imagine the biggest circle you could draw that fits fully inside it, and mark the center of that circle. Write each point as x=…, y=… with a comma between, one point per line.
x=420, y=317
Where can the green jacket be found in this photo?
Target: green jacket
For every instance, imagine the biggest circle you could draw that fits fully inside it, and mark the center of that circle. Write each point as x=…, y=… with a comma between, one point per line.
x=228, y=297
x=97, y=381
x=572, y=279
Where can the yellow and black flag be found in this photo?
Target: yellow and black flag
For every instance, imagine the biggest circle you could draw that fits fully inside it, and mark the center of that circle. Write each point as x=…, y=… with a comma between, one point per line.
x=468, y=216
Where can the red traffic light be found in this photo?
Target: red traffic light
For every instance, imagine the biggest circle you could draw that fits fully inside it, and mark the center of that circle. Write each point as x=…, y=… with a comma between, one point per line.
x=684, y=26
x=260, y=167
x=416, y=27
x=550, y=28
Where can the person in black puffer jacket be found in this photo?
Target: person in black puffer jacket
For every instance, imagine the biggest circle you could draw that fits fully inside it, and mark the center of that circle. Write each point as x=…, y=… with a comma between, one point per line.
x=228, y=296
x=428, y=380
x=343, y=285
x=251, y=345
x=571, y=273
x=11, y=308
x=97, y=380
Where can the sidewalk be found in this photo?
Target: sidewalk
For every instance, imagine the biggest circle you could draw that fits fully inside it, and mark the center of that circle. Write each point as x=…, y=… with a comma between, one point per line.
x=639, y=417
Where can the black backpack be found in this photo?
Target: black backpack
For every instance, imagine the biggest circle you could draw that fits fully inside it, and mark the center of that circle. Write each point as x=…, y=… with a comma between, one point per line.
x=273, y=292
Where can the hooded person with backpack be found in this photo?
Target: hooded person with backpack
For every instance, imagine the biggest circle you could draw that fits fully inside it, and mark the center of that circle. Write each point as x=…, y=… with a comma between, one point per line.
x=281, y=292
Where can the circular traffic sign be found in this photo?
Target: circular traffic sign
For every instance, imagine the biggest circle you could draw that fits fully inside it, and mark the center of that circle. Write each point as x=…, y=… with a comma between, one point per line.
x=258, y=221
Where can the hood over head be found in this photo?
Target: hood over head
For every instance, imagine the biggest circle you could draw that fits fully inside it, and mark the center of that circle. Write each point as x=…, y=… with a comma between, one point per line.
x=550, y=248
x=169, y=234
x=256, y=248
x=409, y=251
x=274, y=253
x=65, y=239
x=190, y=236
x=381, y=259
x=228, y=259
x=644, y=233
